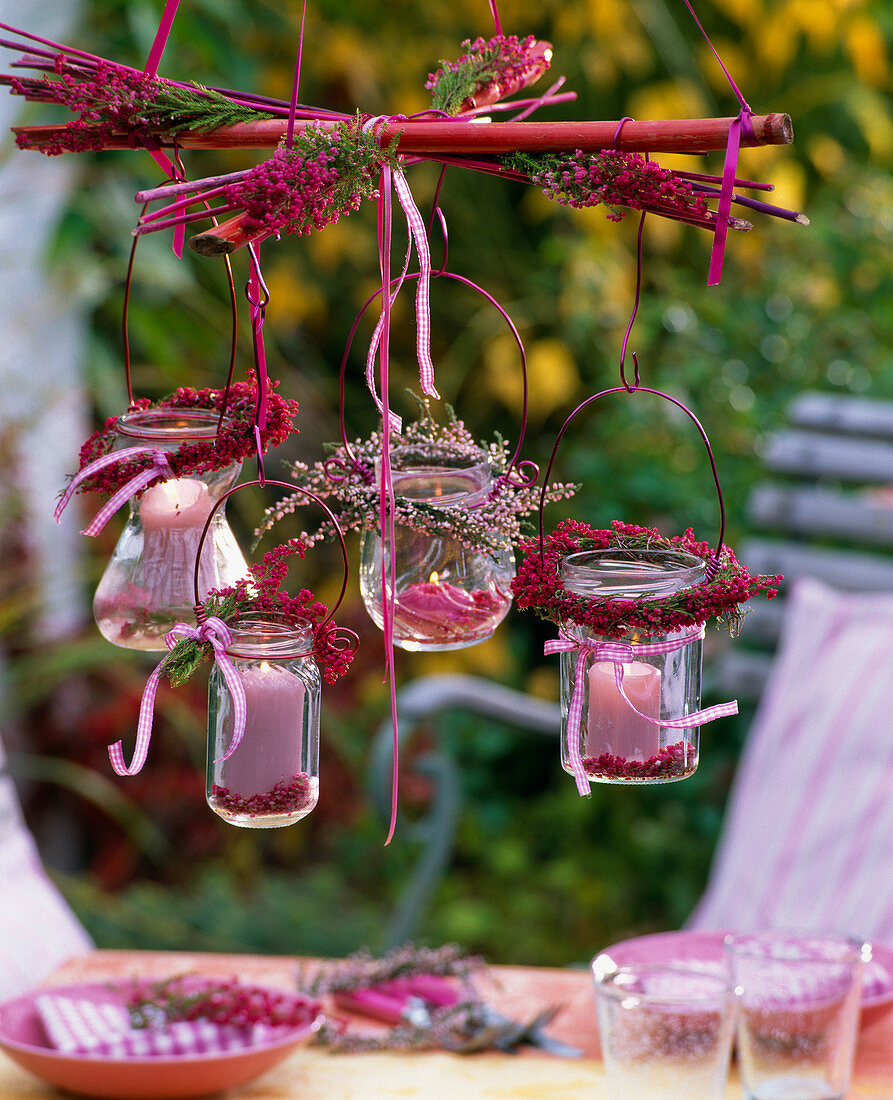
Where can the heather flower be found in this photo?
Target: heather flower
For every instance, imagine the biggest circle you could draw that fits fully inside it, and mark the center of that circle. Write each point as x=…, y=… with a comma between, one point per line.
x=233, y=443
x=538, y=586
x=616, y=179
x=327, y=174
x=488, y=71
x=347, y=480
x=231, y=1003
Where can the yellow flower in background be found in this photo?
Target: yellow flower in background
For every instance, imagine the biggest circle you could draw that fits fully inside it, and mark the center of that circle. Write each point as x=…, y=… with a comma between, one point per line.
x=552, y=374
x=867, y=47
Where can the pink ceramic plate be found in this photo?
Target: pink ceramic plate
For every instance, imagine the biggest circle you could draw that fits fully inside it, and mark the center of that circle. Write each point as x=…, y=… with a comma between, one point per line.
x=705, y=951
x=151, y=1078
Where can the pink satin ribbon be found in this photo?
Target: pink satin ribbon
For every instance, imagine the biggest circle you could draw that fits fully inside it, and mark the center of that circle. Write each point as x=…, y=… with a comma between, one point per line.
x=217, y=633
x=160, y=468
x=619, y=654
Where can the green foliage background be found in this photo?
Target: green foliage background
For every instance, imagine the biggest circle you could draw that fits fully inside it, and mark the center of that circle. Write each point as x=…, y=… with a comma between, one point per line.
x=537, y=874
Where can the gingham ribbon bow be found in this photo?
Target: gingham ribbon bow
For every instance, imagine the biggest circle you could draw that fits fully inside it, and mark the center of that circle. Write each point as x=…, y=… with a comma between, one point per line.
x=160, y=468
x=217, y=633
x=620, y=654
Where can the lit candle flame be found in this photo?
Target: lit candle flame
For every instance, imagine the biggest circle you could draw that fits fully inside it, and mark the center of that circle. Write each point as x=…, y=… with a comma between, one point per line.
x=434, y=578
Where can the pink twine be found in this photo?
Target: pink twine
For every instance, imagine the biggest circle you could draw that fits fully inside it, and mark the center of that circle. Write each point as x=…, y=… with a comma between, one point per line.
x=217, y=633
x=161, y=37
x=620, y=653
x=160, y=468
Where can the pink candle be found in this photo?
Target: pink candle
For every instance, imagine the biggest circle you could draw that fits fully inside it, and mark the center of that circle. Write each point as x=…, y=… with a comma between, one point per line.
x=173, y=514
x=613, y=726
x=270, y=749
x=436, y=610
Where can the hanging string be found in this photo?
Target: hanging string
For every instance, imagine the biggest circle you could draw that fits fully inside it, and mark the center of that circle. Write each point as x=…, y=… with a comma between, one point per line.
x=629, y=327
x=293, y=107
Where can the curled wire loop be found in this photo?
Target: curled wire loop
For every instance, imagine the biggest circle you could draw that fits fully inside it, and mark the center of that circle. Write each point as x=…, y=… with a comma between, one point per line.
x=329, y=635
x=522, y=468
x=715, y=555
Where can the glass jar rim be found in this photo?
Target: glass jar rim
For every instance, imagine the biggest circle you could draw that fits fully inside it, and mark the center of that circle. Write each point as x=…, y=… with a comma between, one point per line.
x=414, y=464
x=171, y=424
x=695, y=987
x=264, y=635
x=780, y=945
x=634, y=572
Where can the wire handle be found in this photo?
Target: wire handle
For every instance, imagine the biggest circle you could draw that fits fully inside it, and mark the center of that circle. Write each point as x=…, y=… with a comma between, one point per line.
x=528, y=471
x=199, y=611
x=713, y=563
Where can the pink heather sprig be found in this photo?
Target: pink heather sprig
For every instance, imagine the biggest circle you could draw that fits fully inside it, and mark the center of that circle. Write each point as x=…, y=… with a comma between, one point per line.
x=488, y=71
x=613, y=178
x=260, y=593
x=229, y=1003
x=538, y=586
x=234, y=443
x=113, y=100
x=326, y=175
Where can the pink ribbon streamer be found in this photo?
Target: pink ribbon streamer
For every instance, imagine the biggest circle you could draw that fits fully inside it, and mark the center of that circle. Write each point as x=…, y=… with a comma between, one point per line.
x=161, y=37
x=619, y=654
x=217, y=633
x=417, y=235
x=160, y=468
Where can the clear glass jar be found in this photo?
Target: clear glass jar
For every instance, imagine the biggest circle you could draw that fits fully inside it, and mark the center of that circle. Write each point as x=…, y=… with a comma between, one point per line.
x=147, y=585
x=272, y=778
x=447, y=595
x=615, y=743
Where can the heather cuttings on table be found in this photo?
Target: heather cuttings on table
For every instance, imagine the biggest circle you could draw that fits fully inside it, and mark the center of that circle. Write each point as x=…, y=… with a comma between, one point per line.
x=631, y=606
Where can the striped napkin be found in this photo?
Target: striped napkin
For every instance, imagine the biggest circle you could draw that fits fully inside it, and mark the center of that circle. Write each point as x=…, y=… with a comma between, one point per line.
x=79, y=1026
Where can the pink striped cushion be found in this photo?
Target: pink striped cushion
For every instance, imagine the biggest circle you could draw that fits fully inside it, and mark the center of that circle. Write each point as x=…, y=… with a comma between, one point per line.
x=807, y=838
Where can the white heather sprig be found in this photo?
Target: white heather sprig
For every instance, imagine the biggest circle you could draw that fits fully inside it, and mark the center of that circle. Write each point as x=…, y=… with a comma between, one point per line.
x=348, y=483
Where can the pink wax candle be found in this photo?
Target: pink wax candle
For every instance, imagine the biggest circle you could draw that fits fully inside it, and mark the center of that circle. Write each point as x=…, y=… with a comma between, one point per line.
x=438, y=610
x=173, y=514
x=271, y=747
x=613, y=726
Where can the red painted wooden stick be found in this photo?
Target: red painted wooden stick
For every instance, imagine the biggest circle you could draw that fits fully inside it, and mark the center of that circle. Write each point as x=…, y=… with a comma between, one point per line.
x=416, y=137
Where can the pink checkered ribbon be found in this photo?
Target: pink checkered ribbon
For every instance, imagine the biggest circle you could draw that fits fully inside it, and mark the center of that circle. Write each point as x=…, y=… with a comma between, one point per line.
x=75, y=1025
x=619, y=654
x=416, y=230
x=160, y=468
x=215, y=632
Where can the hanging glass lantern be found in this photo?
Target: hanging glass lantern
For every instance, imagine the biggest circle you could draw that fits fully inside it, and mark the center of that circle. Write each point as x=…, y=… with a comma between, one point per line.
x=629, y=688
x=446, y=594
x=271, y=777
x=148, y=583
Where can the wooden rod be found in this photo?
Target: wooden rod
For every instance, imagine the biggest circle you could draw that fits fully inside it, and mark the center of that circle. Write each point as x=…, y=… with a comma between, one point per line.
x=693, y=135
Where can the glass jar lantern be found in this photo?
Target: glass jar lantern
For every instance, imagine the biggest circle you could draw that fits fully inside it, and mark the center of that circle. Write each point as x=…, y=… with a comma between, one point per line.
x=623, y=735
x=446, y=594
x=272, y=777
x=147, y=586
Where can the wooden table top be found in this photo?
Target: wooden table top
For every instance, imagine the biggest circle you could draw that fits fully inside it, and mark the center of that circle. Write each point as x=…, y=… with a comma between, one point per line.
x=312, y=1073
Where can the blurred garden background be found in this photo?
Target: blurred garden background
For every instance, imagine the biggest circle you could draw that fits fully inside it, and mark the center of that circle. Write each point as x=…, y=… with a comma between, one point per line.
x=537, y=874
